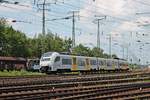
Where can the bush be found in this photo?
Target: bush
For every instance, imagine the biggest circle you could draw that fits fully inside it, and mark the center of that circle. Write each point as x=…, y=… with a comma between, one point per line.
x=19, y=73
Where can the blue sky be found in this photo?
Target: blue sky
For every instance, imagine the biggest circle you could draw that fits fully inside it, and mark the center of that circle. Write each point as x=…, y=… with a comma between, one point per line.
x=122, y=22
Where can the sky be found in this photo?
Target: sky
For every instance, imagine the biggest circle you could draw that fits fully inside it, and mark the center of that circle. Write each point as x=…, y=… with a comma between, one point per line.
x=127, y=22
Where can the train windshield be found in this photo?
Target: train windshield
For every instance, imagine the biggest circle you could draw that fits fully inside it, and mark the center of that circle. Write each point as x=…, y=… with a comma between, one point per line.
x=45, y=59
x=47, y=54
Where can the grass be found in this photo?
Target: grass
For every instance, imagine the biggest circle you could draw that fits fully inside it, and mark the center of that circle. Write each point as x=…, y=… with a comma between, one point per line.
x=72, y=73
x=147, y=81
x=19, y=73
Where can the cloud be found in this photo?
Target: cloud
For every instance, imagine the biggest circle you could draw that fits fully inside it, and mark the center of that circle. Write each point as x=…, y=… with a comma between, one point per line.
x=133, y=25
x=109, y=7
x=119, y=9
x=15, y=7
x=143, y=20
x=128, y=26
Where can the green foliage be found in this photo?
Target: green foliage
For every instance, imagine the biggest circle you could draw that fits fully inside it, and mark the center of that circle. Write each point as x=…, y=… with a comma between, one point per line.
x=81, y=50
x=134, y=66
x=16, y=43
x=19, y=73
x=12, y=42
x=95, y=52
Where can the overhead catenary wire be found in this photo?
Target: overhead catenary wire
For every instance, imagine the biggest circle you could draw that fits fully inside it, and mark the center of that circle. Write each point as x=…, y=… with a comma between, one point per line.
x=142, y=2
x=80, y=16
x=41, y=17
x=55, y=13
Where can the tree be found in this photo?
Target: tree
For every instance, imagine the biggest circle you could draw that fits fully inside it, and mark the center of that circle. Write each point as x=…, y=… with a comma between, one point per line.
x=67, y=45
x=97, y=52
x=114, y=56
x=81, y=50
x=16, y=43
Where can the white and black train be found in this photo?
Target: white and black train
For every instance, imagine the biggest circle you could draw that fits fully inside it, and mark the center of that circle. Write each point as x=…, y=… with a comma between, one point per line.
x=56, y=62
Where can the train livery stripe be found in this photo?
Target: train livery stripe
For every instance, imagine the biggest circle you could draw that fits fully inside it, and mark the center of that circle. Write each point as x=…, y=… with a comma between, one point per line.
x=113, y=65
x=88, y=67
x=74, y=64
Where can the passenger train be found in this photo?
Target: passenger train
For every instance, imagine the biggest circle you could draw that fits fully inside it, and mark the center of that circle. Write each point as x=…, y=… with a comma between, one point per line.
x=57, y=62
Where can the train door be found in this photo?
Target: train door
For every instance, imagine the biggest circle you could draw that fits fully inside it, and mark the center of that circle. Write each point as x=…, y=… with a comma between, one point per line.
x=57, y=63
x=88, y=67
x=74, y=64
x=112, y=65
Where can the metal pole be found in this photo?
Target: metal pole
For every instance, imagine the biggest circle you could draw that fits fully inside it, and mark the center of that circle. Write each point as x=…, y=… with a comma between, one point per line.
x=110, y=46
x=98, y=29
x=98, y=34
x=73, y=30
x=122, y=52
x=43, y=27
x=43, y=18
x=127, y=53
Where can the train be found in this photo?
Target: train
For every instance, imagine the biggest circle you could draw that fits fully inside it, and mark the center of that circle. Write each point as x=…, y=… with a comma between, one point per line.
x=19, y=63
x=60, y=62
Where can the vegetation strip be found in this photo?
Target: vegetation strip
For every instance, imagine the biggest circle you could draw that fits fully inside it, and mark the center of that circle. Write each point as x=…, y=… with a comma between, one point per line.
x=18, y=73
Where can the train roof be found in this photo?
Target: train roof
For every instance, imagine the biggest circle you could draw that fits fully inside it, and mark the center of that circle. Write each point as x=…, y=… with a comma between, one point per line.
x=62, y=54
x=81, y=56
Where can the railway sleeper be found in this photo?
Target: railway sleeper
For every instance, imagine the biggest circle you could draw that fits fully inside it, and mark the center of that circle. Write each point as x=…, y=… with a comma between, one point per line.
x=60, y=85
x=41, y=81
x=76, y=84
x=104, y=95
x=55, y=95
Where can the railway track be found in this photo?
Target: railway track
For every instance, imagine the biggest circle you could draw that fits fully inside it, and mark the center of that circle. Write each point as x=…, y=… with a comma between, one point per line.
x=71, y=84
x=77, y=93
x=5, y=82
x=120, y=86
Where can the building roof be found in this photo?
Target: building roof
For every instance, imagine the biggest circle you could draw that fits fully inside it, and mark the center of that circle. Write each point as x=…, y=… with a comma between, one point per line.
x=12, y=58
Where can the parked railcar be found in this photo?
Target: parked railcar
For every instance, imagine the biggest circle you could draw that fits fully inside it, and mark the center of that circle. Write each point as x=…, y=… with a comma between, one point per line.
x=33, y=64
x=55, y=62
x=12, y=63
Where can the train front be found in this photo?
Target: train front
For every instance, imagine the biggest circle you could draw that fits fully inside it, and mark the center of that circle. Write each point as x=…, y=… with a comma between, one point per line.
x=46, y=62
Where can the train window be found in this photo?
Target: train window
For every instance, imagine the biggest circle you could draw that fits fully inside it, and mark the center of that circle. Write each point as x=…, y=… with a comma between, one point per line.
x=115, y=63
x=57, y=59
x=103, y=63
x=46, y=59
x=93, y=62
x=48, y=54
x=66, y=61
x=100, y=62
x=108, y=63
x=81, y=63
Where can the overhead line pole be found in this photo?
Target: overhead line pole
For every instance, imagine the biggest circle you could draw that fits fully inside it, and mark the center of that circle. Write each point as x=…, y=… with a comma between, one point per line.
x=98, y=33
x=43, y=18
x=110, y=38
x=98, y=29
x=43, y=4
x=73, y=28
x=43, y=25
